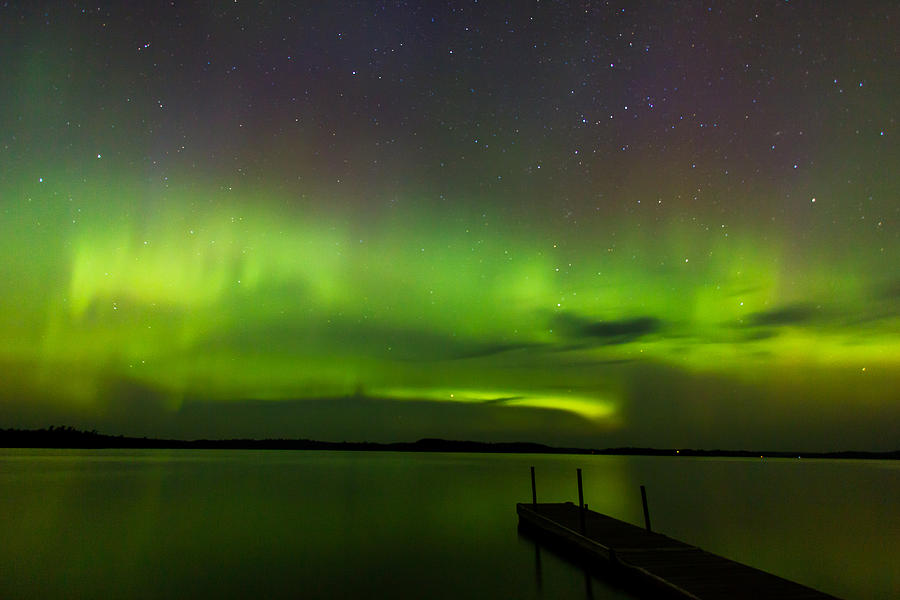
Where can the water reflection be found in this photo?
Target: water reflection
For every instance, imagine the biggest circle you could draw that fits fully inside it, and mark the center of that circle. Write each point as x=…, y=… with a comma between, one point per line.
x=82, y=524
x=588, y=587
x=592, y=575
x=248, y=524
x=538, y=572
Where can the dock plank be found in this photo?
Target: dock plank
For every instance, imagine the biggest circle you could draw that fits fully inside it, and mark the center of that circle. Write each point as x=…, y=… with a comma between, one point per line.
x=684, y=571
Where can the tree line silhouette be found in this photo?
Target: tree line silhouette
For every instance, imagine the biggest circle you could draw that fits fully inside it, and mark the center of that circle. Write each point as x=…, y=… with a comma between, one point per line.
x=69, y=437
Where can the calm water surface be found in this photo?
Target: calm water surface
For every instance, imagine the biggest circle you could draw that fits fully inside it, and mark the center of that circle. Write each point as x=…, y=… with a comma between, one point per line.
x=148, y=524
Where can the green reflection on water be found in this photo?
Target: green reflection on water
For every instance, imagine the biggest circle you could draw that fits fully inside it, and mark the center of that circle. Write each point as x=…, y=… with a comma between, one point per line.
x=83, y=524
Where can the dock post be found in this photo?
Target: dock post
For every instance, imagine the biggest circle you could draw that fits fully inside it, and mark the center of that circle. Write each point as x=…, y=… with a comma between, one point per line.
x=533, y=488
x=580, y=502
x=646, y=510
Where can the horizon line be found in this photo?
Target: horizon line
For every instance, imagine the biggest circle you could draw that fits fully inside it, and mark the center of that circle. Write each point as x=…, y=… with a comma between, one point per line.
x=69, y=437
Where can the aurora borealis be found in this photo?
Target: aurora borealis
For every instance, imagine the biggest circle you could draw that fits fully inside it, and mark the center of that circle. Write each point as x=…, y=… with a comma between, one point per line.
x=669, y=224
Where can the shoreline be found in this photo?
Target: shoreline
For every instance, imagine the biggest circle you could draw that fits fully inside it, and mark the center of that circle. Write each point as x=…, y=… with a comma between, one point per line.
x=70, y=438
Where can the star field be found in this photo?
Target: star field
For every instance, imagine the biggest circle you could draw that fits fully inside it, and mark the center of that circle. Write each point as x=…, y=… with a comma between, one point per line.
x=576, y=222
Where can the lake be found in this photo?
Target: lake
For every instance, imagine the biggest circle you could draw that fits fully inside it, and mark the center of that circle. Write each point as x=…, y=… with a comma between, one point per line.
x=233, y=523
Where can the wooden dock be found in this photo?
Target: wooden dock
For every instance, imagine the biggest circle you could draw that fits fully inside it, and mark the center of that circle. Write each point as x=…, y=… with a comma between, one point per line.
x=666, y=566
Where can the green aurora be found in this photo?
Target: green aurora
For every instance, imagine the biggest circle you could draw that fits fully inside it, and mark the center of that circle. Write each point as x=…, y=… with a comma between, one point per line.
x=227, y=295
x=372, y=244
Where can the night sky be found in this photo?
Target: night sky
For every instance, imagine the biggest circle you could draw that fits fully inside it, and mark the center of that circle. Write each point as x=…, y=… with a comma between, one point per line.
x=593, y=223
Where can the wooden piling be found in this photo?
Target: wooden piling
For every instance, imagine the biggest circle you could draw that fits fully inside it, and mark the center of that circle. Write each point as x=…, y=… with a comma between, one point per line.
x=533, y=488
x=646, y=510
x=580, y=501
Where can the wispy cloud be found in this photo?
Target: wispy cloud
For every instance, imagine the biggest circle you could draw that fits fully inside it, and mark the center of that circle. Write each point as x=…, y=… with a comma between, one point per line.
x=607, y=332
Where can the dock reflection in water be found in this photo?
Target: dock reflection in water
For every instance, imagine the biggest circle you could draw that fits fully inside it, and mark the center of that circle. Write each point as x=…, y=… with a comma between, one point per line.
x=233, y=524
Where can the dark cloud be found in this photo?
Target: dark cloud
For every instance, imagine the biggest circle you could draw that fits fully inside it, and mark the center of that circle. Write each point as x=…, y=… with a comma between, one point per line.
x=502, y=400
x=628, y=328
x=795, y=314
x=609, y=332
x=755, y=335
x=863, y=320
x=481, y=350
